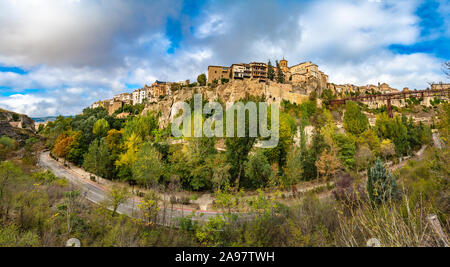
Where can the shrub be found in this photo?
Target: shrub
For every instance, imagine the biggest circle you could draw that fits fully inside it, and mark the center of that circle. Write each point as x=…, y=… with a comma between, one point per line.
x=381, y=185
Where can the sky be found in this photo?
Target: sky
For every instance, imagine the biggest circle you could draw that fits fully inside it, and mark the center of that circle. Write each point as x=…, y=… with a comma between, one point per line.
x=59, y=56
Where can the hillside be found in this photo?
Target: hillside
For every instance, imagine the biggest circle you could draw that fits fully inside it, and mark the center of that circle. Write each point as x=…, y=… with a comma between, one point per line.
x=17, y=126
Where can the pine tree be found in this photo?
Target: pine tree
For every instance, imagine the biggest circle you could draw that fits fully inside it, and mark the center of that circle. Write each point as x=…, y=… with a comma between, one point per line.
x=270, y=71
x=381, y=185
x=280, y=74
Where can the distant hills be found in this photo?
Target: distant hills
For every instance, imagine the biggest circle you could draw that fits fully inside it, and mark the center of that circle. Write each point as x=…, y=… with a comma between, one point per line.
x=45, y=119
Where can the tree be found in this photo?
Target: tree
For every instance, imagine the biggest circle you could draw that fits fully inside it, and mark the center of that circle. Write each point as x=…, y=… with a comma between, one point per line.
x=346, y=149
x=446, y=69
x=369, y=138
x=63, y=145
x=387, y=149
x=148, y=168
x=311, y=155
x=202, y=152
x=98, y=159
x=149, y=207
x=293, y=171
x=381, y=185
x=201, y=79
x=355, y=122
x=270, y=71
x=287, y=128
x=127, y=159
x=280, y=74
x=100, y=128
x=328, y=163
x=400, y=137
x=113, y=140
x=116, y=197
x=70, y=205
x=221, y=171
x=142, y=126
x=8, y=172
x=238, y=148
x=257, y=170
x=327, y=96
x=363, y=157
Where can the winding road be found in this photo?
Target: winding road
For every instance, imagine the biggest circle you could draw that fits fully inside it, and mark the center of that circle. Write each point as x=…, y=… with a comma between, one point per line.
x=98, y=194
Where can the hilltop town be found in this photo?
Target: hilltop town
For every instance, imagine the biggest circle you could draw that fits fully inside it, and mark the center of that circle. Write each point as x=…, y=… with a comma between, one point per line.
x=281, y=82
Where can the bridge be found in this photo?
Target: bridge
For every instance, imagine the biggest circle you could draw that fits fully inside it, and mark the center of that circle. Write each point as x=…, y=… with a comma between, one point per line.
x=391, y=96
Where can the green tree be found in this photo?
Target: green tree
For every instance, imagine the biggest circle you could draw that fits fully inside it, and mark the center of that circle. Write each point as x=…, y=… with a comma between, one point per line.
x=311, y=156
x=101, y=128
x=149, y=207
x=293, y=171
x=355, y=122
x=381, y=185
x=8, y=172
x=257, y=170
x=238, y=148
x=287, y=128
x=280, y=74
x=400, y=137
x=346, y=149
x=201, y=79
x=116, y=197
x=148, y=167
x=98, y=159
x=237, y=154
x=270, y=71
x=221, y=171
x=142, y=126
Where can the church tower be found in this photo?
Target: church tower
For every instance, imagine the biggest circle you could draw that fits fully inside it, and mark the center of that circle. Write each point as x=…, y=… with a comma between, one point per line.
x=284, y=65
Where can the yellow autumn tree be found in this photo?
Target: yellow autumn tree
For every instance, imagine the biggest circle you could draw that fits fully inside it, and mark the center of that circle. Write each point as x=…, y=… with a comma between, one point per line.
x=132, y=145
x=328, y=164
x=63, y=145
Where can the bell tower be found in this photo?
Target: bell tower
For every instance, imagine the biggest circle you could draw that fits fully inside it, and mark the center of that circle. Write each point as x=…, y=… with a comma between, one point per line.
x=284, y=65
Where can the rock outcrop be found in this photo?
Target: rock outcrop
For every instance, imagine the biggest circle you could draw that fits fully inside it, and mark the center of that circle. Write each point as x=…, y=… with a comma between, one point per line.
x=17, y=126
x=230, y=92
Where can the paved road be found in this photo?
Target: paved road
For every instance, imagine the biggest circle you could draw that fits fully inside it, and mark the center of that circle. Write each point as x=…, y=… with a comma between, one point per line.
x=97, y=194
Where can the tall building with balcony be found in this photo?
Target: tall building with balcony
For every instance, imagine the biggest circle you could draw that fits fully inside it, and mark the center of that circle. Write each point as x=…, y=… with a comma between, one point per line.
x=258, y=71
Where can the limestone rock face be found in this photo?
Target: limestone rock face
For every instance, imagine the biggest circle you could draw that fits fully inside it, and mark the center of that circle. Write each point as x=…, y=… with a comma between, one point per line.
x=17, y=120
x=231, y=92
x=17, y=126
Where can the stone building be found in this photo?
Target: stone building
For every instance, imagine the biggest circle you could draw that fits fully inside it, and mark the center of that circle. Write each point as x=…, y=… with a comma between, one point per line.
x=124, y=97
x=440, y=86
x=158, y=90
x=258, y=71
x=217, y=73
x=240, y=71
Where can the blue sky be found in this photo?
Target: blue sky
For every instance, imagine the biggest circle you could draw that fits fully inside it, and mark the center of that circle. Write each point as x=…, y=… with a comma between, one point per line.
x=59, y=56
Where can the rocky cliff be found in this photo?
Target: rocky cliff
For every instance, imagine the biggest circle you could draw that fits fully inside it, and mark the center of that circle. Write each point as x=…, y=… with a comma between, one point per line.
x=230, y=92
x=17, y=126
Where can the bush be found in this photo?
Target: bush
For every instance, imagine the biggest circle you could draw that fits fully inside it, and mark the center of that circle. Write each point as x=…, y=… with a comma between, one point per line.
x=381, y=185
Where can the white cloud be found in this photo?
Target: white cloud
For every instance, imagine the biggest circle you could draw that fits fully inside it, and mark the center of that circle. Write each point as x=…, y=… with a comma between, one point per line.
x=213, y=26
x=29, y=104
x=414, y=71
x=83, y=51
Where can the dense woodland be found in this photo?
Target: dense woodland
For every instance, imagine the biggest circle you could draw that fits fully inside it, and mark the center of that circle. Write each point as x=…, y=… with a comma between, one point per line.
x=367, y=200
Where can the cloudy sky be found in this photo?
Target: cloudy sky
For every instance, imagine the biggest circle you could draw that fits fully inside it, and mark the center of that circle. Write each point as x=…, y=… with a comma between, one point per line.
x=59, y=56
